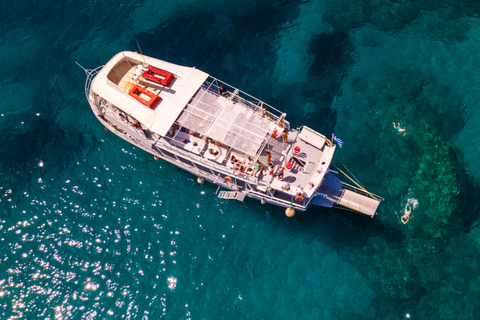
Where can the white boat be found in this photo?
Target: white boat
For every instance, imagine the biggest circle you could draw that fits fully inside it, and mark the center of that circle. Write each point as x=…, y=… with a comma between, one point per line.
x=218, y=133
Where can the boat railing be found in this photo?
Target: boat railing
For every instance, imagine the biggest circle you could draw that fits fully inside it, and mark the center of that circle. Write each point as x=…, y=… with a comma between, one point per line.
x=362, y=191
x=212, y=84
x=346, y=203
x=227, y=171
x=351, y=205
x=110, y=112
x=127, y=135
x=207, y=163
x=91, y=73
x=268, y=197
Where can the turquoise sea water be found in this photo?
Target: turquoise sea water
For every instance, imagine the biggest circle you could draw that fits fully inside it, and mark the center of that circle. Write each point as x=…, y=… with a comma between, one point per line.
x=93, y=228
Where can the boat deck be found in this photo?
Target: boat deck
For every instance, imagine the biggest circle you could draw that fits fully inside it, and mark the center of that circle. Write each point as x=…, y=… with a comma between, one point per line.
x=243, y=127
x=304, y=163
x=134, y=76
x=198, y=123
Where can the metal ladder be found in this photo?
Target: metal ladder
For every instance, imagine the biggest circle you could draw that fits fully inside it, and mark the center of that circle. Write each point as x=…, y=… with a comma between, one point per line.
x=231, y=195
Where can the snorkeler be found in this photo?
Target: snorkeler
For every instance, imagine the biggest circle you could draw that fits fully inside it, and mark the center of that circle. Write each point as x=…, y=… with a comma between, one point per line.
x=406, y=215
x=402, y=131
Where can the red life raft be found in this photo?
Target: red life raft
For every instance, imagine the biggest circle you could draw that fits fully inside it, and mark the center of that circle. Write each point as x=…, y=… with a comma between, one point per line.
x=158, y=75
x=137, y=92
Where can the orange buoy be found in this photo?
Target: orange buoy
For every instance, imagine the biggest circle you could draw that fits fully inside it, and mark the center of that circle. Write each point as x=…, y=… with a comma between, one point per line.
x=290, y=212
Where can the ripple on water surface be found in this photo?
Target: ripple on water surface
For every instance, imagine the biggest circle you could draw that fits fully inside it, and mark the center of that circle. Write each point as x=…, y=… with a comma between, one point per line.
x=92, y=227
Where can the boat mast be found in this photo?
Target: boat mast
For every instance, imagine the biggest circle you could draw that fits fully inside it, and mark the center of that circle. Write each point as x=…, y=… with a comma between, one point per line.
x=141, y=52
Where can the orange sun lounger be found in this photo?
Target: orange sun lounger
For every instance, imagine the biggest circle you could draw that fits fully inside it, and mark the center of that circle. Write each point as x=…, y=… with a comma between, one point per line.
x=158, y=75
x=137, y=92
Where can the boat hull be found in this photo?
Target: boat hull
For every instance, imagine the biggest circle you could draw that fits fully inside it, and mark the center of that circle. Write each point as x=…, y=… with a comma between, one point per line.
x=142, y=143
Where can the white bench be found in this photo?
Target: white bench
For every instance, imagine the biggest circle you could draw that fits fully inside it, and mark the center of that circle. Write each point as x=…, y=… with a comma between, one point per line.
x=222, y=153
x=312, y=137
x=317, y=178
x=187, y=142
x=239, y=158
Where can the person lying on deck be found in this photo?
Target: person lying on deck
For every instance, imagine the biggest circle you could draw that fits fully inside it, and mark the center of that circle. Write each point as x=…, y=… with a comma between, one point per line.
x=247, y=163
x=238, y=167
x=212, y=152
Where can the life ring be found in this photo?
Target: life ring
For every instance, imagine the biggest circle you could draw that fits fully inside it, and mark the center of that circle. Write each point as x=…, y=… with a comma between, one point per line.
x=300, y=198
x=329, y=143
x=228, y=179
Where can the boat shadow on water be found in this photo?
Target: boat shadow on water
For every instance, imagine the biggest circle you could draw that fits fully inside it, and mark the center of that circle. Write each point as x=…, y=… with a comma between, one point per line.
x=335, y=227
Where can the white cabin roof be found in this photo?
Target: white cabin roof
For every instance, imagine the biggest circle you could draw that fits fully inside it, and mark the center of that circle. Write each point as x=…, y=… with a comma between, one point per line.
x=174, y=98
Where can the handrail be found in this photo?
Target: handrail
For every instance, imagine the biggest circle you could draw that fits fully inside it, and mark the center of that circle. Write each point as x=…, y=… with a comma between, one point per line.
x=244, y=93
x=266, y=196
x=351, y=205
x=200, y=160
x=362, y=191
x=91, y=73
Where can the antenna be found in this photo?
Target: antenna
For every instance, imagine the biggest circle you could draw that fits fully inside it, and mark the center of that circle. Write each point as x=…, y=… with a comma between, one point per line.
x=86, y=71
x=141, y=52
x=126, y=59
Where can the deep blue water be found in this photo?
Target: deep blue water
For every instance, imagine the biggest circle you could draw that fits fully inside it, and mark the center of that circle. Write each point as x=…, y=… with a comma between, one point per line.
x=93, y=228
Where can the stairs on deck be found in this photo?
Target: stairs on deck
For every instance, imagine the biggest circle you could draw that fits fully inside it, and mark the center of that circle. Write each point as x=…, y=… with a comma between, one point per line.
x=231, y=195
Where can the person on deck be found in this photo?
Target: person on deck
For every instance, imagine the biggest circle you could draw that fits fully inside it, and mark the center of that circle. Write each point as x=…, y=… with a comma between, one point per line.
x=137, y=125
x=222, y=91
x=256, y=168
x=300, y=190
x=270, y=169
x=280, y=173
x=285, y=136
x=238, y=167
x=124, y=117
x=248, y=164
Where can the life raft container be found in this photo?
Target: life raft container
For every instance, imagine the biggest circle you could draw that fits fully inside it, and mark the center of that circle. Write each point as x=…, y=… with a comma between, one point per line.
x=158, y=75
x=137, y=92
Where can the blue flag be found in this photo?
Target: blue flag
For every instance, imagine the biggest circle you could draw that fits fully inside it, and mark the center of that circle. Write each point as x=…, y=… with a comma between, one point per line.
x=338, y=140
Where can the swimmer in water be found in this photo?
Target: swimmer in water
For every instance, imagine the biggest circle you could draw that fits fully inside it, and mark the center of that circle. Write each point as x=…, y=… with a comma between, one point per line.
x=406, y=215
x=401, y=131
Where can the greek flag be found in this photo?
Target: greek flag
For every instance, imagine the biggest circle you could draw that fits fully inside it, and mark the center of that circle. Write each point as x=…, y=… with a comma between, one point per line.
x=338, y=140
